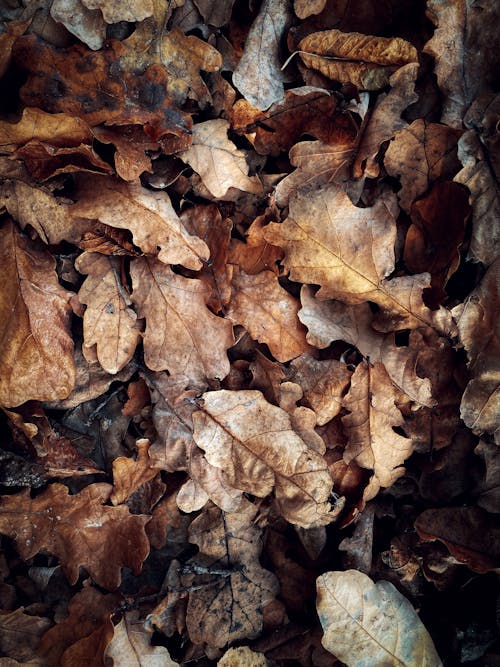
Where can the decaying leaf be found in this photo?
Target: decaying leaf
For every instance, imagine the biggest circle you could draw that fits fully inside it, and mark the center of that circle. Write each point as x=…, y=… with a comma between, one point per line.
x=85, y=23
x=258, y=75
x=20, y=633
x=130, y=474
x=368, y=623
x=363, y=60
x=113, y=12
x=108, y=322
x=182, y=335
x=253, y=442
x=217, y=160
x=79, y=530
x=36, y=358
x=256, y=254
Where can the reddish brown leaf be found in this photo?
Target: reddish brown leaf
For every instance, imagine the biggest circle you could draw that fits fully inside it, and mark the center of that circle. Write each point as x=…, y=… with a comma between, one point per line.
x=129, y=473
x=256, y=254
x=20, y=634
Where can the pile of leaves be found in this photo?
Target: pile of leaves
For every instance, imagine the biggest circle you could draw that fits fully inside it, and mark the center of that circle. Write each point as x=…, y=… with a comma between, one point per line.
x=249, y=332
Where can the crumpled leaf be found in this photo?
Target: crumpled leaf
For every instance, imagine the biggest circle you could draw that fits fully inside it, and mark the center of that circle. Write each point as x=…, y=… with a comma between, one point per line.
x=20, y=633
x=242, y=656
x=328, y=321
x=305, y=8
x=484, y=198
x=108, y=323
x=258, y=75
x=130, y=474
x=461, y=44
x=268, y=313
x=182, y=335
x=368, y=623
x=36, y=357
x=419, y=155
x=7, y=40
x=130, y=142
x=215, y=12
x=85, y=23
x=489, y=498
x=148, y=214
x=372, y=441
x=78, y=530
x=349, y=251
x=253, y=442
x=478, y=322
x=363, y=60
x=256, y=254
x=227, y=605
x=217, y=160
x=113, y=11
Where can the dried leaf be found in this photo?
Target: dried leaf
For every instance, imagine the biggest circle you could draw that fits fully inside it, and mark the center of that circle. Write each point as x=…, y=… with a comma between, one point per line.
x=215, y=12
x=372, y=440
x=305, y=8
x=85, y=23
x=36, y=360
x=258, y=75
x=130, y=474
x=182, y=335
x=363, y=60
x=349, y=251
x=148, y=214
x=419, y=155
x=253, y=442
x=130, y=142
x=242, y=656
x=20, y=633
x=371, y=624
x=113, y=12
x=256, y=254
x=108, y=323
x=78, y=530
x=7, y=40
x=489, y=498
x=217, y=160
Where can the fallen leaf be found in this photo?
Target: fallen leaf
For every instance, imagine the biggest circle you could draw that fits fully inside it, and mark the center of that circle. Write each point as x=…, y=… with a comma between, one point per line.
x=7, y=40
x=305, y=8
x=268, y=313
x=109, y=323
x=217, y=160
x=227, y=605
x=20, y=633
x=85, y=23
x=373, y=415
x=113, y=12
x=358, y=549
x=349, y=251
x=464, y=61
x=253, y=442
x=258, y=75
x=368, y=623
x=149, y=215
x=256, y=254
x=484, y=198
x=242, y=656
x=420, y=155
x=78, y=530
x=36, y=361
x=266, y=376
x=132, y=149
x=489, y=490
x=363, y=60
x=182, y=335
x=479, y=329
x=130, y=474
x=107, y=240
x=215, y=12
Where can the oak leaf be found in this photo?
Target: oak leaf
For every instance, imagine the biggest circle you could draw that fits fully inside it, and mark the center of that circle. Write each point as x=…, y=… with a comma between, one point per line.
x=215, y=12
x=268, y=313
x=419, y=155
x=217, y=160
x=7, y=40
x=182, y=335
x=367, y=623
x=131, y=646
x=305, y=8
x=78, y=530
x=489, y=498
x=36, y=361
x=20, y=633
x=130, y=474
x=258, y=76
x=227, y=605
x=149, y=215
x=86, y=24
x=369, y=426
x=349, y=251
x=253, y=442
x=256, y=254
x=131, y=143
x=113, y=12
x=363, y=60
x=108, y=322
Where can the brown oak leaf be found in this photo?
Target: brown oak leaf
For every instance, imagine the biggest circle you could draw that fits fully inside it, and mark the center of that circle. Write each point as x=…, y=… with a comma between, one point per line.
x=90, y=27
x=20, y=634
x=36, y=359
x=78, y=530
x=256, y=254
x=129, y=473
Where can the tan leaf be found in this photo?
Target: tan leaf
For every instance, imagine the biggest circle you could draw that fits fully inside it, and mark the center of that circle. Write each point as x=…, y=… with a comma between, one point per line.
x=372, y=441
x=349, y=251
x=253, y=442
x=130, y=474
x=78, y=530
x=256, y=254
x=363, y=60
x=86, y=24
x=242, y=656
x=323, y=384
x=305, y=8
x=148, y=214
x=217, y=160
x=464, y=60
x=114, y=11
x=258, y=75
x=368, y=623
x=268, y=313
x=107, y=240
x=108, y=323
x=36, y=359
x=419, y=155
x=484, y=198
x=131, y=646
x=328, y=321
x=385, y=120
x=20, y=633
x=478, y=322
x=228, y=605
x=182, y=335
